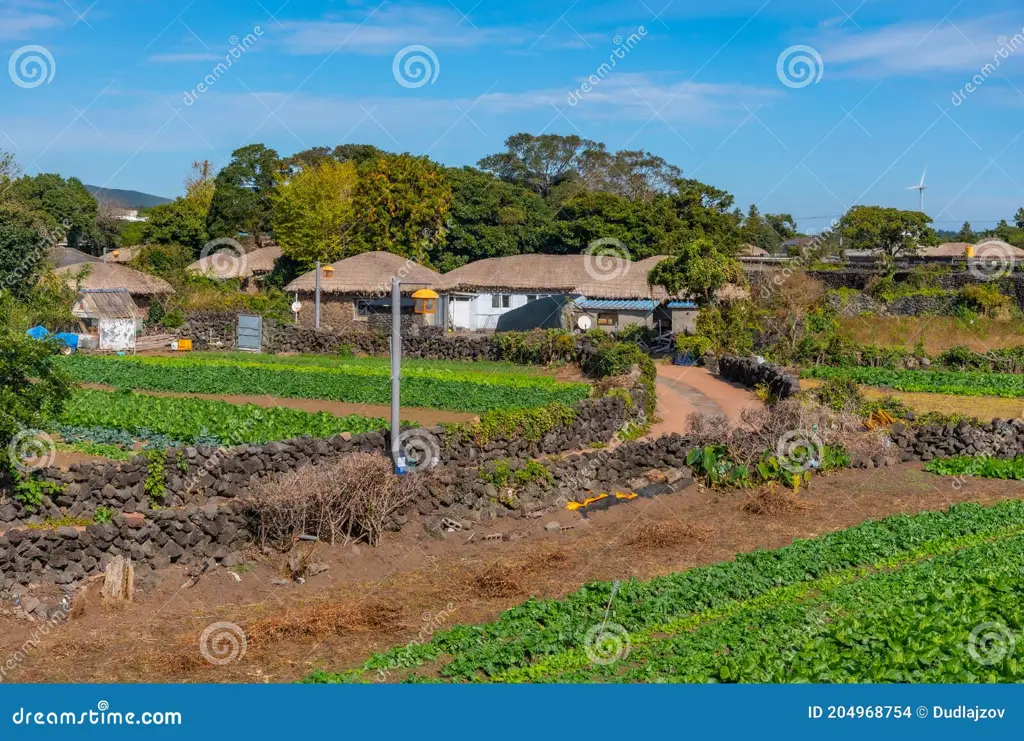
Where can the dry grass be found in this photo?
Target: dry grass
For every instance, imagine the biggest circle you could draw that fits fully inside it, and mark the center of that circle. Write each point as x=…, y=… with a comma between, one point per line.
x=668, y=534
x=772, y=501
x=319, y=620
x=510, y=577
x=937, y=333
x=982, y=407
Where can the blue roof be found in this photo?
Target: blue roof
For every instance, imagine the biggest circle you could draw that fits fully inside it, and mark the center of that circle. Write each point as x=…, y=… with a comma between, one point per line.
x=682, y=305
x=590, y=304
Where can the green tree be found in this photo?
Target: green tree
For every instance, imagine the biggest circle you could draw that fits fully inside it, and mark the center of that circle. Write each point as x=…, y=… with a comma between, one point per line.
x=490, y=218
x=199, y=184
x=243, y=194
x=1019, y=218
x=401, y=205
x=33, y=389
x=539, y=162
x=23, y=249
x=966, y=233
x=759, y=232
x=699, y=269
x=888, y=231
x=633, y=174
x=644, y=227
x=313, y=213
x=783, y=224
x=182, y=221
x=706, y=212
x=67, y=208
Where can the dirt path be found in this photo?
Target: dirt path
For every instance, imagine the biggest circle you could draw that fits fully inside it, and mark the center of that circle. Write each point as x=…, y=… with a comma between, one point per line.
x=427, y=417
x=370, y=599
x=683, y=390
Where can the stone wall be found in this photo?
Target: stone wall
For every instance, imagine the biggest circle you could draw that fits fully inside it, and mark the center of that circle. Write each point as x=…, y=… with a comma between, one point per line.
x=750, y=373
x=158, y=538
x=998, y=439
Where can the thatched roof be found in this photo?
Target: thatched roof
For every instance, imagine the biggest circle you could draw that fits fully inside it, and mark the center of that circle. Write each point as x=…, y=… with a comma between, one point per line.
x=227, y=264
x=106, y=303
x=989, y=248
x=594, y=276
x=122, y=254
x=64, y=256
x=749, y=250
x=369, y=273
x=112, y=275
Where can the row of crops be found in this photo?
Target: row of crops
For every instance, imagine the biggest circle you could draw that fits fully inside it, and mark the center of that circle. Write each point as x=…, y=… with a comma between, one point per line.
x=121, y=418
x=958, y=383
x=920, y=598
x=361, y=384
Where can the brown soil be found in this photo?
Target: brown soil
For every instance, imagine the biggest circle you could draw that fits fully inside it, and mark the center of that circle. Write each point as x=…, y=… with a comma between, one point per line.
x=683, y=390
x=427, y=417
x=372, y=599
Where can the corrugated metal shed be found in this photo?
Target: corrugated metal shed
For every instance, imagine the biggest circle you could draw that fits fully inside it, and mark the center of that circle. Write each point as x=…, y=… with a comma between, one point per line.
x=588, y=304
x=681, y=305
x=105, y=303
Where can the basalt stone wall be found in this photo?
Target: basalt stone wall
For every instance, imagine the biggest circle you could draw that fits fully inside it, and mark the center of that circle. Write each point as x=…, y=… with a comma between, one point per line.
x=999, y=439
x=67, y=555
x=750, y=373
x=197, y=473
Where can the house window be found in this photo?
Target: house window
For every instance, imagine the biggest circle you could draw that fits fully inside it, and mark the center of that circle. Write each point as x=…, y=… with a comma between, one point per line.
x=500, y=301
x=363, y=307
x=530, y=297
x=605, y=319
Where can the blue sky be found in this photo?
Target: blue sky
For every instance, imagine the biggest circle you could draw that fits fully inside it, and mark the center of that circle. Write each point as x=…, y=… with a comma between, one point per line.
x=701, y=86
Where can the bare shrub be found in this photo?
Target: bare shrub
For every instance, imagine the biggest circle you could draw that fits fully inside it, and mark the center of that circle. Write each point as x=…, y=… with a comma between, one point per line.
x=351, y=497
x=770, y=501
x=668, y=534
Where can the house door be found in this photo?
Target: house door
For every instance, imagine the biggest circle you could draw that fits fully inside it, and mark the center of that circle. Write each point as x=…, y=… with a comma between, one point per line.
x=462, y=314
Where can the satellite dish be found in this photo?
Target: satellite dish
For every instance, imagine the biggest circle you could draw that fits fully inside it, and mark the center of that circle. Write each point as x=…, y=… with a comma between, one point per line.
x=584, y=322
x=296, y=306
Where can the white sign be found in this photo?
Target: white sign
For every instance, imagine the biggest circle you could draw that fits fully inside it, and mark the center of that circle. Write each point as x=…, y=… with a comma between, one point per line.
x=296, y=306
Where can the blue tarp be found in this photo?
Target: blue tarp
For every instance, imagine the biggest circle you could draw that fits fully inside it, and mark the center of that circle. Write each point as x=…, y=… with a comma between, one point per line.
x=42, y=333
x=38, y=333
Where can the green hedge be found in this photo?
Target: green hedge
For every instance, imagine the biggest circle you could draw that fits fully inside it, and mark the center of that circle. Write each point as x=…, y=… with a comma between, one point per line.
x=436, y=389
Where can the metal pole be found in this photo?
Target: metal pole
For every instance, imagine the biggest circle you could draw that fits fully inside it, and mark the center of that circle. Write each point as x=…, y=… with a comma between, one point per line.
x=397, y=455
x=316, y=301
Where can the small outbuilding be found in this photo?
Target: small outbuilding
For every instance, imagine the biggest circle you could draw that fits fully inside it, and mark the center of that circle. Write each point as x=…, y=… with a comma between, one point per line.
x=109, y=316
x=143, y=287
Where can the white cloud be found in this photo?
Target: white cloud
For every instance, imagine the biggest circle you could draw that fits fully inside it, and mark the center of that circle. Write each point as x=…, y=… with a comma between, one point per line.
x=950, y=45
x=18, y=21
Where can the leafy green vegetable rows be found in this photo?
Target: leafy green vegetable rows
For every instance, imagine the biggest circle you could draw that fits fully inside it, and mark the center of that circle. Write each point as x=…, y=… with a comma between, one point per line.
x=958, y=383
x=891, y=600
x=437, y=389
x=980, y=466
x=190, y=420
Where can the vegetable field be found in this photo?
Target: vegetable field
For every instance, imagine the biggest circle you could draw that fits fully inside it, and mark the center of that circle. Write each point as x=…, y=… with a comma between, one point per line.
x=921, y=598
x=960, y=383
x=980, y=466
x=421, y=387
x=190, y=420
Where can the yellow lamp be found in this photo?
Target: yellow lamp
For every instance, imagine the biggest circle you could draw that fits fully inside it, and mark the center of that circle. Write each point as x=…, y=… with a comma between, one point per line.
x=426, y=301
x=970, y=250
x=328, y=271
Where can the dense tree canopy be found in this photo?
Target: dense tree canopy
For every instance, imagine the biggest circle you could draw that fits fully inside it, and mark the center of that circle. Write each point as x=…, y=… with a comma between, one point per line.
x=698, y=269
x=67, y=208
x=888, y=231
x=243, y=194
x=313, y=214
x=182, y=221
x=23, y=248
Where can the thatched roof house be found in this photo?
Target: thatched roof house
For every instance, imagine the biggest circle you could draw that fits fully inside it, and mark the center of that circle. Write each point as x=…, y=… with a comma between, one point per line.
x=349, y=287
x=105, y=303
x=229, y=265
x=122, y=254
x=986, y=249
x=750, y=250
x=142, y=286
x=62, y=257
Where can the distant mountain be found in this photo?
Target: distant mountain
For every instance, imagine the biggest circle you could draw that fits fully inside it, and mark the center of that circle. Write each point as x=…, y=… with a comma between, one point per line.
x=125, y=198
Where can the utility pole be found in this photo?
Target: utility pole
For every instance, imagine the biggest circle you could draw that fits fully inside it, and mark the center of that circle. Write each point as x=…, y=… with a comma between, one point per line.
x=316, y=301
x=397, y=454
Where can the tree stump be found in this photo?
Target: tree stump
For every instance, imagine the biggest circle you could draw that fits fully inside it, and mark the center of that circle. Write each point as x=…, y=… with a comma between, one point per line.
x=119, y=581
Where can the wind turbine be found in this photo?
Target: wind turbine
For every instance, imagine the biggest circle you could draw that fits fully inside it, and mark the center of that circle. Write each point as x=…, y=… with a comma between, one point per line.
x=921, y=188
